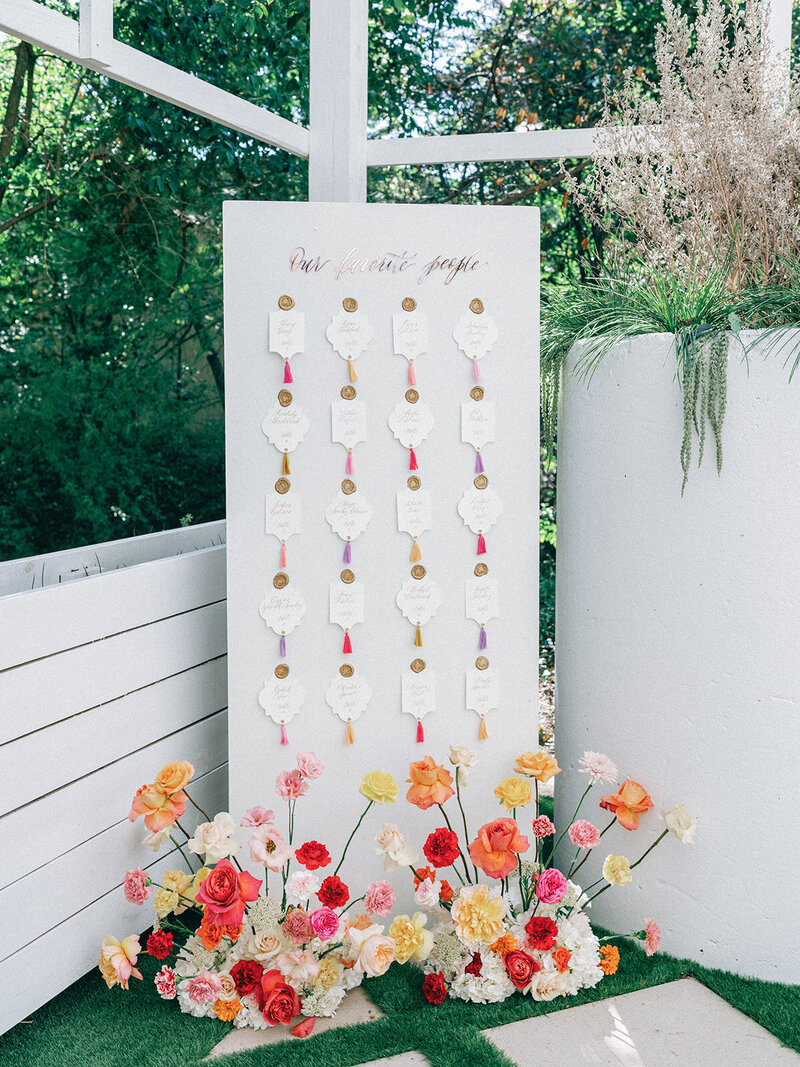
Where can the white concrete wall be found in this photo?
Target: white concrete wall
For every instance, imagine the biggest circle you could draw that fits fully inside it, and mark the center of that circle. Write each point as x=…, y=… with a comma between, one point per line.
x=677, y=647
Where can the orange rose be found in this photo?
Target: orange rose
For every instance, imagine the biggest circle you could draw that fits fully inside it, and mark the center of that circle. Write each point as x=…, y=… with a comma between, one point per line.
x=430, y=784
x=627, y=804
x=174, y=776
x=495, y=848
x=539, y=765
x=159, y=810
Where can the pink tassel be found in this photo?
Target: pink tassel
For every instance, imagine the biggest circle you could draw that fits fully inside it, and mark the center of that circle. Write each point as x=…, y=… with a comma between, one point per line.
x=482, y=642
x=412, y=462
x=347, y=552
x=412, y=374
x=349, y=465
x=476, y=370
x=478, y=463
x=287, y=373
x=284, y=736
x=283, y=553
x=481, y=544
x=283, y=647
x=420, y=732
x=347, y=647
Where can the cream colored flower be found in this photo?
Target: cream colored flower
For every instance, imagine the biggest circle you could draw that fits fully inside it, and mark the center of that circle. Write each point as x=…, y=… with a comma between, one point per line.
x=411, y=939
x=463, y=759
x=264, y=946
x=168, y=897
x=227, y=986
x=328, y=974
x=214, y=839
x=547, y=985
x=477, y=916
x=374, y=952
x=392, y=846
x=156, y=839
x=617, y=870
x=680, y=823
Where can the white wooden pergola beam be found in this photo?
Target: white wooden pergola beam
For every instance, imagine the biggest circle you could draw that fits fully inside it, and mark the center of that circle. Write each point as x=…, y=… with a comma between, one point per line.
x=480, y=147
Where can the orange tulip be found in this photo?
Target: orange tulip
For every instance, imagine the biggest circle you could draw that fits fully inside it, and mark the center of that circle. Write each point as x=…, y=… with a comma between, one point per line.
x=628, y=804
x=495, y=848
x=430, y=784
x=159, y=810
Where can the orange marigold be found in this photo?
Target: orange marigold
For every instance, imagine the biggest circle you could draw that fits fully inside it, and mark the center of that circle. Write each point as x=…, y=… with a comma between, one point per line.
x=609, y=959
x=504, y=944
x=561, y=958
x=227, y=1010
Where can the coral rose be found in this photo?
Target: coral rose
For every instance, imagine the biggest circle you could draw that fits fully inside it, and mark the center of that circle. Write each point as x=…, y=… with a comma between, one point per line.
x=159, y=810
x=430, y=784
x=496, y=847
x=551, y=885
x=520, y=968
x=513, y=793
x=628, y=804
x=276, y=999
x=477, y=916
x=225, y=893
x=379, y=787
x=539, y=765
x=174, y=776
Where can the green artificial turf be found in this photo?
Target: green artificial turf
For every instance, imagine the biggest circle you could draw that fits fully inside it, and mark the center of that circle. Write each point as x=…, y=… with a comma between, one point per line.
x=90, y=1025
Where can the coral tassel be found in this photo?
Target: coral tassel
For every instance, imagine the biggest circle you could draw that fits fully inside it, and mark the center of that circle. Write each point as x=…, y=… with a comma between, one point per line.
x=349, y=736
x=347, y=646
x=416, y=553
x=283, y=553
x=418, y=638
x=349, y=465
x=412, y=374
x=287, y=373
x=412, y=460
x=286, y=464
x=482, y=642
x=284, y=736
x=481, y=544
x=283, y=647
x=420, y=732
x=483, y=733
x=352, y=366
x=478, y=463
x=476, y=371
x=347, y=552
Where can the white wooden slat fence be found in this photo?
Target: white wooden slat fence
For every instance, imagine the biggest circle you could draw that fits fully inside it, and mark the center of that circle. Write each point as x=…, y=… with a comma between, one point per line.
x=102, y=680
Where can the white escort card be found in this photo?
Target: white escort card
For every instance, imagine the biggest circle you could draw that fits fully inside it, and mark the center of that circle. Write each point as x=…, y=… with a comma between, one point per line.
x=282, y=610
x=477, y=423
x=285, y=427
x=419, y=600
x=349, y=515
x=410, y=334
x=287, y=333
x=480, y=509
x=348, y=697
x=349, y=333
x=482, y=601
x=346, y=604
x=414, y=511
x=483, y=691
x=411, y=423
x=348, y=423
x=475, y=334
x=283, y=515
x=418, y=694
x=282, y=698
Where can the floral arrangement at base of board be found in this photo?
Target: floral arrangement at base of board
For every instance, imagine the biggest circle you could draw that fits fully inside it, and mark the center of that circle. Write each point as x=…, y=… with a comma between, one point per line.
x=524, y=928
x=254, y=952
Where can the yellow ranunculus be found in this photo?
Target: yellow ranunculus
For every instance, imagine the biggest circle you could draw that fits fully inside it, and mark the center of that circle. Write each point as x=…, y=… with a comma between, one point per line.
x=617, y=870
x=514, y=793
x=477, y=916
x=539, y=765
x=411, y=940
x=379, y=787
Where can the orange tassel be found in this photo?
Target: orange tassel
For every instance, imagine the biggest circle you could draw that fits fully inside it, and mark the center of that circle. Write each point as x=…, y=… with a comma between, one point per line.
x=483, y=733
x=418, y=638
x=352, y=366
x=350, y=736
x=416, y=554
x=286, y=463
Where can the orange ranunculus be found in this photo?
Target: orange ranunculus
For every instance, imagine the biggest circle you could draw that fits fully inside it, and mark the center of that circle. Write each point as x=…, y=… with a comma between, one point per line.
x=430, y=784
x=539, y=765
x=495, y=848
x=174, y=776
x=627, y=804
x=159, y=810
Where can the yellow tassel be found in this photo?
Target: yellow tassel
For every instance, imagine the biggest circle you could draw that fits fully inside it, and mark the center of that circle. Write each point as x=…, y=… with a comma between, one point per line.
x=418, y=638
x=286, y=463
x=483, y=733
x=350, y=738
x=416, y=554
x=352, y=366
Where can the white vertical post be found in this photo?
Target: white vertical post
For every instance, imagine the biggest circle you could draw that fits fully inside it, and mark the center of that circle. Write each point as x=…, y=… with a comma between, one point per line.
x=339, y=50
x=96, y=30
x=779, y=40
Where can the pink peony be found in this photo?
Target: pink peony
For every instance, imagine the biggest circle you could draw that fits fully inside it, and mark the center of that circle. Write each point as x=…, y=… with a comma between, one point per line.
x=598, y=767
x=652, y=937
x=308, y=765
x=379, y=898
x=542, y=827
x=324, y=923
x=551, y=886
x=203, y=988
x=296, y=926
x=290, y=785
x=268, y=847
x=584, y=834
x=257, y=816
x=165, y=983
x=135, y=887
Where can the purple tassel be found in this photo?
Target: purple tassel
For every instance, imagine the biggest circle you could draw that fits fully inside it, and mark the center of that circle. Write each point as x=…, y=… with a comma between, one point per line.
x=347, y=552
x=482, y=642
x=283, y=647
x=478, y=463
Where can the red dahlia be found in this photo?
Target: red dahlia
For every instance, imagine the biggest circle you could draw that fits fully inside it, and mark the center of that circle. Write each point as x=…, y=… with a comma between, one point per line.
x=246, y=976
x=542, y=932
x=433, y=988
x=313, y=855
x=441, y=848
x=159, y=944
x=333, y=893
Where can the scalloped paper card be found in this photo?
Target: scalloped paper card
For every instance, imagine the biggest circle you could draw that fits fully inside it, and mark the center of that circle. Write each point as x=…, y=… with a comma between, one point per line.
x=346, y=604
x=418, y=694
x=348, y=697
x=282, y=609
x=482, y=601
x=285, y=427
x=411, y=423
x=348, y=423
x=282, y=698
x=477, y=423
x=287, y=333
x=480, y=509
x=283, y=515
x=475, y=334
x=349, y=515
x=483, y=690
x=419, y=600
x=349, y=333
x=410, y=334
x=414, y=511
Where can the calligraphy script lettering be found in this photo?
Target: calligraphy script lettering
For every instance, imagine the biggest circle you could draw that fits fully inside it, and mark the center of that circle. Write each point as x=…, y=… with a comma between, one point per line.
x=387, y=262
x=452, y=267
x=298, y=260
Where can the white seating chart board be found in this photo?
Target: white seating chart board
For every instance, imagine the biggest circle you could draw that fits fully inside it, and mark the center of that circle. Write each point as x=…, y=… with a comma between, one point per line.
x=382, y=384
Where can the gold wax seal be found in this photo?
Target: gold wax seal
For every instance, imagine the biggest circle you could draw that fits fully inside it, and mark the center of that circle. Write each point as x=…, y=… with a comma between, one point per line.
x=413, y=483
x=348, y=486
x=481, y=663
x=480, y=482
x=281, y=580
x=348, y=392
x=347, y=576
x=481, y=569
x=418, y=571
x=285, y=303
x=281, y=671
x=412, y=396
x=476, y=392
x=283, y=485
x=409, y=303
x=346, y=670
x=476, y=306
x=284, y=398
x=417, y=665
x=350, y=304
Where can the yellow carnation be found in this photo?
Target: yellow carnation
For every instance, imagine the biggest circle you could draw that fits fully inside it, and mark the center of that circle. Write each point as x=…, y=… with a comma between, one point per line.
x=328, y=973
x=514, y=793
x=190, y=892
x=617, y=870
x=539, y=765
x=410, y=938
x=379, y=787
x=174, y=884
x=477, y=916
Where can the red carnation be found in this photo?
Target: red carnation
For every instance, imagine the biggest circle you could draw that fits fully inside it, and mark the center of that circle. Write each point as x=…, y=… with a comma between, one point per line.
x=441, y=848
x=313, y=855
x=521, y=968
x=475, y=965
x=246, y=975
x=159, y=944
x=333, y=893
x=434, y=989
x=542, y=932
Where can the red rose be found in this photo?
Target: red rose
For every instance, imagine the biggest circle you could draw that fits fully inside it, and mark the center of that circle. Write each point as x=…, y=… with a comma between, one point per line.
x=225, y=893
x=333, y=893
x=246, y=975
x=542, y=932
x=159, y=944
x=521, y=968
x=441, y=848
x=313, y=855
x=277, y=1001
x=434, y=989
x=475, y=965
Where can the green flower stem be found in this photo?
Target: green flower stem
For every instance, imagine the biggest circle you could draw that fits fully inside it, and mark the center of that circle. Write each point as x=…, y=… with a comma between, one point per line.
x=572, y=820
x=575, y=860
x=464, y=820
x=589, y=851
x=349, y=905
x=461, y=854
x=194, y=802
x=177, y=845
x=350, y=838
x=647, y=851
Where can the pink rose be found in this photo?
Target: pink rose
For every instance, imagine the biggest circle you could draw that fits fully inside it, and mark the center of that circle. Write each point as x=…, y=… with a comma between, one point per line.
x=135, y=887
x=308, y=765
x=551, y=886
x=542, y=827
x=584, y=834
x=324, y=923
x=257, y=816
x=165, y=983
x=290, y=785
x=203, y=988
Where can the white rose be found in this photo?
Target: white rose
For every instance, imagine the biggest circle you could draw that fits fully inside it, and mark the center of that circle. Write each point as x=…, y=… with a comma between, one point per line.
x=391, y=845
x=547, y=985
x=227, y=986
x=213, y=839
x=264, y=946
x=462, y=759
x=680, y=822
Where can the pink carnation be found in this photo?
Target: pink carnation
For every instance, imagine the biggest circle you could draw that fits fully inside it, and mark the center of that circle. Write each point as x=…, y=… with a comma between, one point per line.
x=584, y=834
x=324, y=923
x=379, y=898
x=542, y=827
x=652, y=937
x=257, y=816
x=296, y=926
x=203, y=988
x=551, y=886
x=290, y=785
x=135, y=887
x=165, y=983
x=308, y=765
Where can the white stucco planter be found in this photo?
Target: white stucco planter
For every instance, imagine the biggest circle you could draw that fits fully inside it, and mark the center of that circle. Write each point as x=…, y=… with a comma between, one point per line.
x=678, y=647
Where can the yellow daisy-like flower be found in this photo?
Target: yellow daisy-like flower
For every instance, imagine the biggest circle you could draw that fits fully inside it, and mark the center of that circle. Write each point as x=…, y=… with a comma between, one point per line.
x=411, y=940
x=477, y=916
x=617, y=870
x=379, y=787
x=328, y=974
x=514, y=793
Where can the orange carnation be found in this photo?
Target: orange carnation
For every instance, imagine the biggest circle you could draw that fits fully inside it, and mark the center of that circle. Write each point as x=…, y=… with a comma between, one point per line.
x=423, y=874
x=504, y=944
x=561, y=958
x=539, y=765
x=159, y=810
x=227, y=1010
x=495, y=848
x=609, y=959
x=174, y=776
x=446, y=892
x=430, y=784
x=627, y=804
